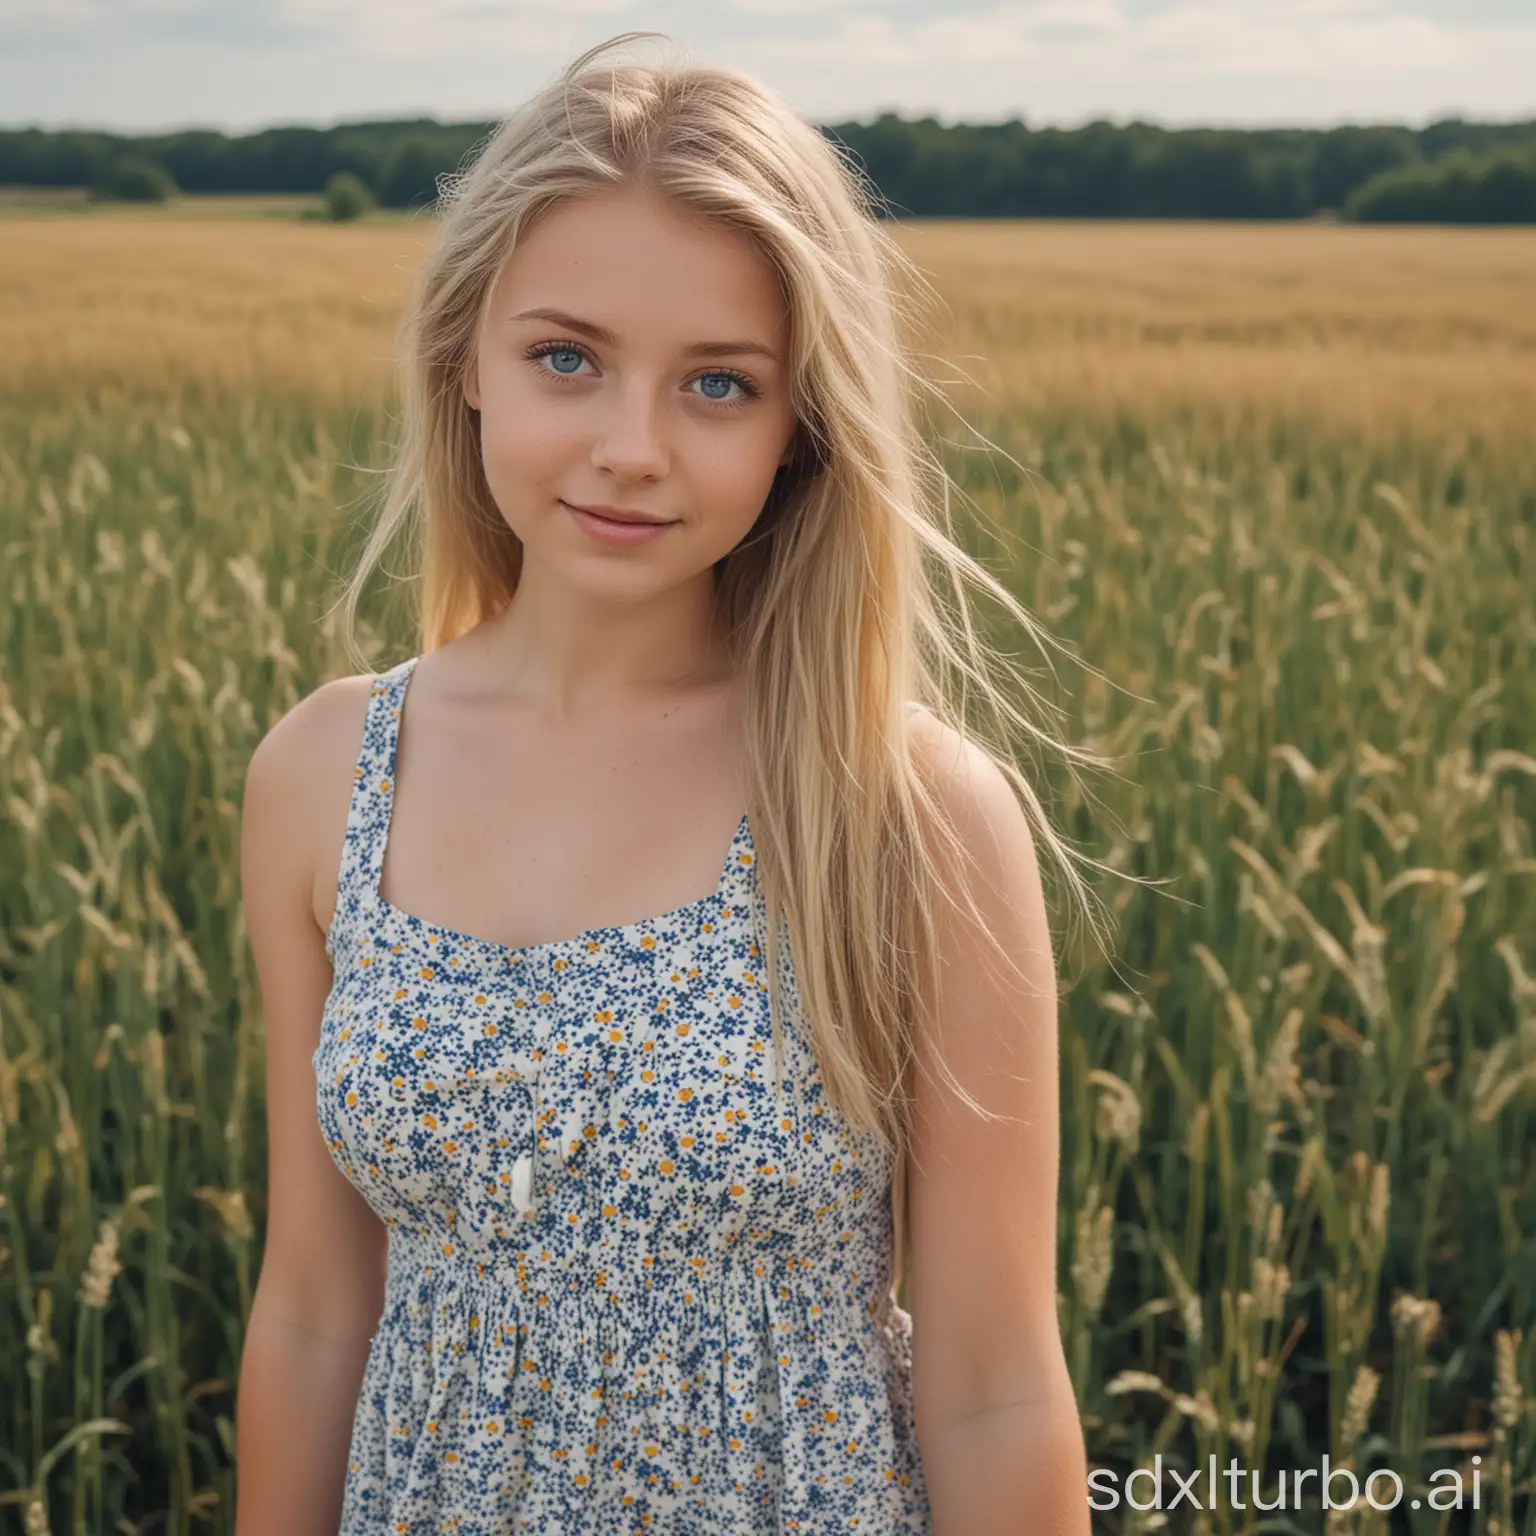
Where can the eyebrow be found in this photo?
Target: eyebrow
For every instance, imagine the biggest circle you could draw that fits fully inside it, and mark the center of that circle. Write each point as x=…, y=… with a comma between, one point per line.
x=606, y=337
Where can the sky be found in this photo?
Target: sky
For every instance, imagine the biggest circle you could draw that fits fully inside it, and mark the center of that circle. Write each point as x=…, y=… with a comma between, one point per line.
x=155, y=65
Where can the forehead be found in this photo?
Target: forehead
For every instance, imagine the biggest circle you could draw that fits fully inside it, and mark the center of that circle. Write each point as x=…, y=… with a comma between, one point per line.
x=630, y=261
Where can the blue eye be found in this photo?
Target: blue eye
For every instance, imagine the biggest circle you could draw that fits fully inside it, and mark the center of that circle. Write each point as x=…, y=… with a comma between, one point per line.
x=568, y=358
x=715, y=386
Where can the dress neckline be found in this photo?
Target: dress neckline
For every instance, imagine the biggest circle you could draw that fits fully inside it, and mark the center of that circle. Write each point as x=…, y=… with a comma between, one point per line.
x=391, y=702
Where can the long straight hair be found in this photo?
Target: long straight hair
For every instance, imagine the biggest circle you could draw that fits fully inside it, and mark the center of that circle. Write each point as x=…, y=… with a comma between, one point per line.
x=847, y=602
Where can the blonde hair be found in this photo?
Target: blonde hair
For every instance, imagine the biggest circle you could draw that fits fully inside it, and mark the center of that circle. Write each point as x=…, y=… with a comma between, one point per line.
x=835, y=622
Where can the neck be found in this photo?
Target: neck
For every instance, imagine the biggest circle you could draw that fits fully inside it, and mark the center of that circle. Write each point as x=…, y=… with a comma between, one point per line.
x=569, y=652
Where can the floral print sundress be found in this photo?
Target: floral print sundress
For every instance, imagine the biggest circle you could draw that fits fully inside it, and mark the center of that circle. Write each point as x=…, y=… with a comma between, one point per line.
x=631, y=1289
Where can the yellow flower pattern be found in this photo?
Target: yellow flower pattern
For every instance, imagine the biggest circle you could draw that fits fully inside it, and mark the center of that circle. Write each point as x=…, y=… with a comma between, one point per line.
x=639, y=1268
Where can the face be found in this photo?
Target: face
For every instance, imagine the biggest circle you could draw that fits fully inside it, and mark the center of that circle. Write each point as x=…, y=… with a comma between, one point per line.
x=635, y=358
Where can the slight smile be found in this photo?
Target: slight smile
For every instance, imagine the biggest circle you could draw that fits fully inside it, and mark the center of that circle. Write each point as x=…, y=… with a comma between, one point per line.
x=624, y=520
x=615, y=532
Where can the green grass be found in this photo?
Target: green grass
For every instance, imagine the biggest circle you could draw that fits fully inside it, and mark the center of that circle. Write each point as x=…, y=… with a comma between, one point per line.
x=1302, y=1086
x=77, y=203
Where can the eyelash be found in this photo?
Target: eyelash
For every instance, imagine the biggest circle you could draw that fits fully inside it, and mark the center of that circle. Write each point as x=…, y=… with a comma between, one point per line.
x=750, y=391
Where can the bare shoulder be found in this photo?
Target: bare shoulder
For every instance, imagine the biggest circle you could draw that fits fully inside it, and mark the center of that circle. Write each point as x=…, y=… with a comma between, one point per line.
x=976, y=796
x=323, y=1264
x=298, y=786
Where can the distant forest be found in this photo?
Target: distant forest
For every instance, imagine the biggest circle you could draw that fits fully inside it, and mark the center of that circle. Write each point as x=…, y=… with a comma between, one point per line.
x=1452, y=171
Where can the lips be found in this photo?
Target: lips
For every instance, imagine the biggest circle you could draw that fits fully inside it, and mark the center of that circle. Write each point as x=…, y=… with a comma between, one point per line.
x=618, y=514
x=626, y=530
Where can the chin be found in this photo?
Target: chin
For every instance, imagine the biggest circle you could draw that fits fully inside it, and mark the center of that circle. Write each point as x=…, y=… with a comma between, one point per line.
x=615, y=573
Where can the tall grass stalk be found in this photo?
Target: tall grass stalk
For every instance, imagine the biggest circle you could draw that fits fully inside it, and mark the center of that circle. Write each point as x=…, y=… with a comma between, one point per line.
x=1297, y=1100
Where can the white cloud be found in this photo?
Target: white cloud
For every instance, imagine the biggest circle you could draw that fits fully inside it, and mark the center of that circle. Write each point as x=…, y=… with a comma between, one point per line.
x=96, y=11
x=362, y=22
x=1023, y=31
x=243, y=63
x=792, y=7
x=434, y=22
x=1302, y=38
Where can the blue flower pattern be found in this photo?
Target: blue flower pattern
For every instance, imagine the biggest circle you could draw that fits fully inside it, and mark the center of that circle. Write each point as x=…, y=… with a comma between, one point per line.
x=635, y=1283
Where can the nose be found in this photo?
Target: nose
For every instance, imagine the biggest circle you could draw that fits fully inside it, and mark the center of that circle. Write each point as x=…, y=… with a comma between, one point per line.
x=630, y=442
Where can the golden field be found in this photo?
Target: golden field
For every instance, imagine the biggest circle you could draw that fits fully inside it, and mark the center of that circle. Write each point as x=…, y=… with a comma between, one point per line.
x=1367, y=326
x=1276, y=484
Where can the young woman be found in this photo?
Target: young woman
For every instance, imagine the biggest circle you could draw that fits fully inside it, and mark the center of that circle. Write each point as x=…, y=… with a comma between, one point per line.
x=667, y=965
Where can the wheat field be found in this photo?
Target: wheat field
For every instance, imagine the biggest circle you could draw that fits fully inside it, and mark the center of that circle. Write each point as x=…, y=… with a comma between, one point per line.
x=1275, y=484
x=1359, y=326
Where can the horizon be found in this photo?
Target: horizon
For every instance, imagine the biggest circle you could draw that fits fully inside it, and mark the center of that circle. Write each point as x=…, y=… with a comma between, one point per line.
x=864, y=119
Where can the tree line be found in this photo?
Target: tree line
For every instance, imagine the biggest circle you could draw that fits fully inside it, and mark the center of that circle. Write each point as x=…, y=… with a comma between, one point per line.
x=1449, y=171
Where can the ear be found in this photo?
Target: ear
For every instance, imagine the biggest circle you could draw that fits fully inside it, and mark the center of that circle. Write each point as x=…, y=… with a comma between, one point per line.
x=471, y=386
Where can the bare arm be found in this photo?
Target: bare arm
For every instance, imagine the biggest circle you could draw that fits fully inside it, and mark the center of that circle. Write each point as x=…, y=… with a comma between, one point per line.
x=320, y=1291
x=997, y=1420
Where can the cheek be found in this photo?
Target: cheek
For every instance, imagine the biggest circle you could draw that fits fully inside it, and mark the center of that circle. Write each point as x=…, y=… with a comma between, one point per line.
x=520, y=442
x=736, y=472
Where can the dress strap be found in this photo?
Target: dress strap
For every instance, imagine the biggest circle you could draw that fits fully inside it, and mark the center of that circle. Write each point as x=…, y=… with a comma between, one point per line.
x=372, y=799
x=738, y=884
